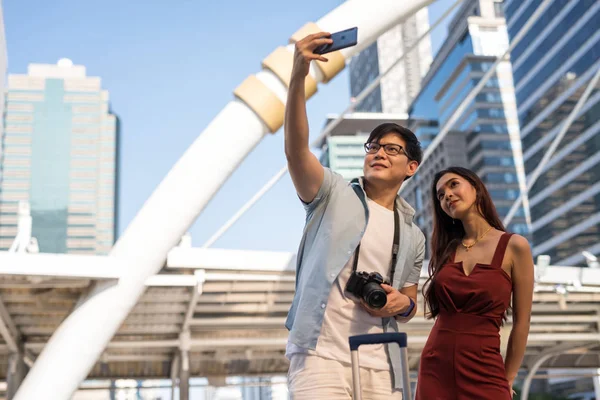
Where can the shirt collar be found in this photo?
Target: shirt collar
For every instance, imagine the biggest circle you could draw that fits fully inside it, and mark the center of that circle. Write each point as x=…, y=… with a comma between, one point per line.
x=401, y=204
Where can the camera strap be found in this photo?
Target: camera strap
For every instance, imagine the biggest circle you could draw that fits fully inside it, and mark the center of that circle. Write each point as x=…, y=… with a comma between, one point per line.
x=395, y=247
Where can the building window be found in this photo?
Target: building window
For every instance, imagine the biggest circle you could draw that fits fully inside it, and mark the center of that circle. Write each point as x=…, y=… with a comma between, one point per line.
x=498, y=10
x=419, y=198
x=520, y=229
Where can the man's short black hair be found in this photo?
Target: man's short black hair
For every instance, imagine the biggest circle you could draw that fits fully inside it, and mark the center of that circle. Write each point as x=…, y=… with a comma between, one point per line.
x=413, y=146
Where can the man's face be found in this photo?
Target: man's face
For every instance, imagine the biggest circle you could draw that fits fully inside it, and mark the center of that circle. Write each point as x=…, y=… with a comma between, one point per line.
x=387, y=161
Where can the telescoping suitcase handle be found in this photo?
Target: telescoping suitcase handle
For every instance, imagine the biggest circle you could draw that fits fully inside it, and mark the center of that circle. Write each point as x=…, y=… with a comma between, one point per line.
x=377, y=338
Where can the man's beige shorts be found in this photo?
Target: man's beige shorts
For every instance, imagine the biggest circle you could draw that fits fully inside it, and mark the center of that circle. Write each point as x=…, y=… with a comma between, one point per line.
x=312, y=378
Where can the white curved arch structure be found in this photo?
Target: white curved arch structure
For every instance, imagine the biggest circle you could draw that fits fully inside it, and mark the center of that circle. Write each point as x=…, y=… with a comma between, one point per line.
x=178, y=200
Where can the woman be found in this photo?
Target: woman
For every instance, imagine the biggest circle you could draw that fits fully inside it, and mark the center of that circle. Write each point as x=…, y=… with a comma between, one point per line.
x=474, y=269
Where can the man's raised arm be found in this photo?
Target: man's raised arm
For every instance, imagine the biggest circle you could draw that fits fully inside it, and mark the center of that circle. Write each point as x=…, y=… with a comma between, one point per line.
x=305, y=169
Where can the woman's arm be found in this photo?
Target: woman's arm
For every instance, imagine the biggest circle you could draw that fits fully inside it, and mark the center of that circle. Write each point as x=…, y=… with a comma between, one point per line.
x=523, y=280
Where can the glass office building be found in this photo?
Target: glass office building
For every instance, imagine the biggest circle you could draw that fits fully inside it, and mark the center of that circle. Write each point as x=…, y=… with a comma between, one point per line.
x=552, y=66
x=397, y=90
x=59, y=155
x=491, y=145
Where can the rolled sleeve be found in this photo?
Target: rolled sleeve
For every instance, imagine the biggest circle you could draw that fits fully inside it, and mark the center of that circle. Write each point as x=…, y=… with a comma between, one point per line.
x=415, y=274
x=330, y=179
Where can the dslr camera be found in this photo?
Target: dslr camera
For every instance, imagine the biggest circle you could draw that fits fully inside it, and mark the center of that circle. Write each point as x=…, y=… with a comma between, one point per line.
x=367, y=286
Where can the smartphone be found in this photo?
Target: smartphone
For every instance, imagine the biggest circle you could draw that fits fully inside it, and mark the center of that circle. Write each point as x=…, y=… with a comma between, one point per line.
x=341, y=40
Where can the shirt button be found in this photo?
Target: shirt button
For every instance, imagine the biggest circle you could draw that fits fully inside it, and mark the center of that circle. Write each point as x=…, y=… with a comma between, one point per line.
x=332, y=275
x=322, y=305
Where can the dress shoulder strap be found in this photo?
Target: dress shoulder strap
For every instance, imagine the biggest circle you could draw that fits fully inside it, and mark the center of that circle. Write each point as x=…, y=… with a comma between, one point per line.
x=501, y=250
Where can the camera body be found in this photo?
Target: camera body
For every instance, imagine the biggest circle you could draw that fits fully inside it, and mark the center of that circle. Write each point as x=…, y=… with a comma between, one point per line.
x=367, y=286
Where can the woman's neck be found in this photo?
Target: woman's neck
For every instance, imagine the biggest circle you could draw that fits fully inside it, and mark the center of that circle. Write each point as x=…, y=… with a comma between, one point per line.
x=475, y=226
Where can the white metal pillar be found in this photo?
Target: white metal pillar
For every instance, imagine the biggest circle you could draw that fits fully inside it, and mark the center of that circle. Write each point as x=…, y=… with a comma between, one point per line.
x=175, y=204
x=24, y=242
x=175, y=364
x=560, y=349
x=113, y=390
x=596, y=379
x=184, y=378
x=17, y=370
x=185, y=344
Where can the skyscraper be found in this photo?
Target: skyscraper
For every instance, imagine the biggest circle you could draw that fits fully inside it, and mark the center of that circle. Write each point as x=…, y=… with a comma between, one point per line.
x=59, y=155
x=552, y=65
x=400, y=86
x=451, y=152
x=3, y=63
x=490, y=131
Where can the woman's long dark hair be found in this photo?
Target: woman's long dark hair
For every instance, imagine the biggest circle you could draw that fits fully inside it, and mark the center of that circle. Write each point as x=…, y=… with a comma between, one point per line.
x=447, y=233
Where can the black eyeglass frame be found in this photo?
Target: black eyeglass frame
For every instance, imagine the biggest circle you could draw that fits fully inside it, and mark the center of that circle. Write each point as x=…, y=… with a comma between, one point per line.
x=386, y=149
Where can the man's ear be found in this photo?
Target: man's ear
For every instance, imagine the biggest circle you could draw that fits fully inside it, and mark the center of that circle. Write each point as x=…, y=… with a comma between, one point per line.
x=412, y=168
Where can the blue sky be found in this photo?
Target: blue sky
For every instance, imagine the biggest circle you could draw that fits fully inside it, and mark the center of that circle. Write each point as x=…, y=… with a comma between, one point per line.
x=170, y=67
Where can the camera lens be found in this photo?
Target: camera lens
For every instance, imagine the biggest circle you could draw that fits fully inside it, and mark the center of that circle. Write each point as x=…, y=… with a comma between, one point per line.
x=374, y=295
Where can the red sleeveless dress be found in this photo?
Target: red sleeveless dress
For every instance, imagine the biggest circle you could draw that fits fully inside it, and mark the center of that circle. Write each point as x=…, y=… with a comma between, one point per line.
x=461, y=360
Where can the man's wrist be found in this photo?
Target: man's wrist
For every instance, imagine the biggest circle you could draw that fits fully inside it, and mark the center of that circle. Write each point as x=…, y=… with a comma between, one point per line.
x=409, y=310
x=297, y=78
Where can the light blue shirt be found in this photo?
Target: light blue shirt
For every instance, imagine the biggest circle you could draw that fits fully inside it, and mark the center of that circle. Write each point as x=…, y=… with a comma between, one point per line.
x=336, y=220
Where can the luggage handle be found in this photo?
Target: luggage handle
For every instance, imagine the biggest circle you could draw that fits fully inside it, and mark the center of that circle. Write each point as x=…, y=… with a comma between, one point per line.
x=377, y=338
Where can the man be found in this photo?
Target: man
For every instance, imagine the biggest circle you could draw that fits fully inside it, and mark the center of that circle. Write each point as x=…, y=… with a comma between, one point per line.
x=340, y=216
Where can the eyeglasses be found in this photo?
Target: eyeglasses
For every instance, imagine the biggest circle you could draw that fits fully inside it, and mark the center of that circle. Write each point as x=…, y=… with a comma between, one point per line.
x=391, y=149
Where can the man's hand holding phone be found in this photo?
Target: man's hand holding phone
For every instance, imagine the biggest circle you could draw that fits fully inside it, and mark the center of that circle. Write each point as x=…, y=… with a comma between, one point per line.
x=303, y=53
x=312, y=47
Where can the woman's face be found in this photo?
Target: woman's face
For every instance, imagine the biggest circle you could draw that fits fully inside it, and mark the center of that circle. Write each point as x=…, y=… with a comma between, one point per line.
x=456, y=195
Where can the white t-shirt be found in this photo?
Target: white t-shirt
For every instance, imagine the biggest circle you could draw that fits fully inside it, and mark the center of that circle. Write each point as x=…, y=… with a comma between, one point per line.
x=344, y=315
